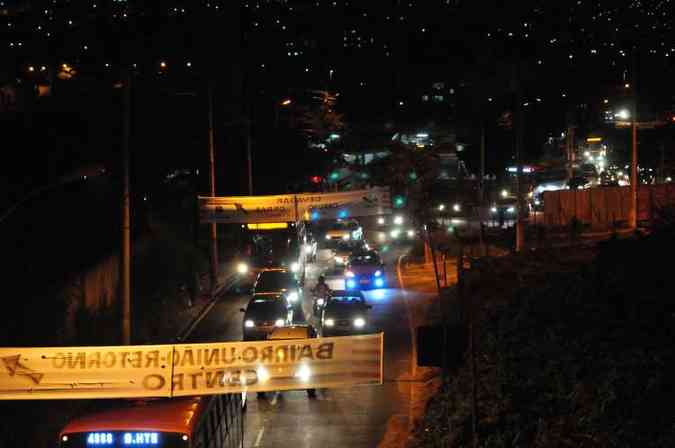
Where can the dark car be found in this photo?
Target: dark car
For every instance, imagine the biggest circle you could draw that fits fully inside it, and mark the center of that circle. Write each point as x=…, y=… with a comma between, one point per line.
x=279, y=282
x=263, y=315
x=345, y=313
x=365, y=270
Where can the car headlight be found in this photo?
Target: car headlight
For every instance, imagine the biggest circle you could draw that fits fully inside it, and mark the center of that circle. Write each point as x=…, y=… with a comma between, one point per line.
x=359, y=322
x=320, y=302
x=308, y=250
x=263, y=374
x=456, y=207
x=398, y=220
x=395, y=233
x=411, y=233
x=380, y=221
x=295, y=266
x=493, y=209
x=304, y=373
x=242, y=268
x=249, y=324
x=327, y=237
x=346, y=237
x=349, y=274
x=378, y=273
x=329, y=322
x=279, y=323
x=511, y=209
x=292, y=297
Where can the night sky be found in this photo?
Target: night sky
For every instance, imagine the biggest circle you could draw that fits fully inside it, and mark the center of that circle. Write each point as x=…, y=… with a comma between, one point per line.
x=379, y=56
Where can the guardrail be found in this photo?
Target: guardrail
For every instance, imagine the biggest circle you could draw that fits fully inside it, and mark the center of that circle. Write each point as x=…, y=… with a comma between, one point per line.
x=225, y=285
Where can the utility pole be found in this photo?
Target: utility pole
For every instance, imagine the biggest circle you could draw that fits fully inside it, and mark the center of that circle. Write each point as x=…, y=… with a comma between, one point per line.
x=518, y=129
x=634, y=181
x=249, y=155
x=481, y=187
x=126, y=217
x=212, y=184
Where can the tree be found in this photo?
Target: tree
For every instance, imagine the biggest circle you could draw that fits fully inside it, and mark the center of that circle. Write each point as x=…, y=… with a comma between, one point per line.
x=320, y=123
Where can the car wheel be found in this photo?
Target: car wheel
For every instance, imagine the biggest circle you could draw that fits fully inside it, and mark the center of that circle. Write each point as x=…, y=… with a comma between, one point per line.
x=311, y=393
x=260, y=394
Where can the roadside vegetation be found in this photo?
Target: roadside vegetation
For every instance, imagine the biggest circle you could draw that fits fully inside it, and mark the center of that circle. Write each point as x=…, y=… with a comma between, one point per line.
x=574, y=348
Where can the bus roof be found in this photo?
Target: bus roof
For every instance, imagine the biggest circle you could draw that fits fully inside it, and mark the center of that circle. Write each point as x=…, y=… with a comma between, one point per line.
x=177, y=415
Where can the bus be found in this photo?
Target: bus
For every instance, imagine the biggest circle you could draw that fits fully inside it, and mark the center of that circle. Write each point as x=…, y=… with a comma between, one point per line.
x=213, y=421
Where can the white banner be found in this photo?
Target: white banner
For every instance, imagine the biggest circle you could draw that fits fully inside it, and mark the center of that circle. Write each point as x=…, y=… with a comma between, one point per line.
x=304, y=206
x=189, y=369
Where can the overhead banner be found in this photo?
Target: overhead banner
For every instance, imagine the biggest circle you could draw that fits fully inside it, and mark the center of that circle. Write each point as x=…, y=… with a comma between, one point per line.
x=303, y=206
x=190, y=369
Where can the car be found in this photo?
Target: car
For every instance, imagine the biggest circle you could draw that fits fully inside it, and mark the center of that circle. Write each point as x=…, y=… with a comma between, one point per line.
x=344, y=230
x=263, y=314
x=282, y=282
x=364, y=270
x=287, y=334
x=345, y=313
x=345, y=249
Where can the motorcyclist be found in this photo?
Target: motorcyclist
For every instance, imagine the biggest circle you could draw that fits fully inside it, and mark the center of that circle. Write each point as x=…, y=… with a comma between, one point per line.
x=321, y=293
x=321, y=289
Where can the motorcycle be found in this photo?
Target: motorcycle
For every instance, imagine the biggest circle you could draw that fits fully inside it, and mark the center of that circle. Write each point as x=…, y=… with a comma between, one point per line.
x=317, y=305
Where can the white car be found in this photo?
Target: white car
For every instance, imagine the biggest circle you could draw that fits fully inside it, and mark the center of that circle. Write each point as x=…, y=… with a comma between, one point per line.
x=344, y=231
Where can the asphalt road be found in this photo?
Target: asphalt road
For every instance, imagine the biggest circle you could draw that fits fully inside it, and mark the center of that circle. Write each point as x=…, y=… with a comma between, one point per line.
x=352, y=417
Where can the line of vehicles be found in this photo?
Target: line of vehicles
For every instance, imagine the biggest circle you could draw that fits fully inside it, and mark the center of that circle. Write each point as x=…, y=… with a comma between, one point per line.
x=275, y=263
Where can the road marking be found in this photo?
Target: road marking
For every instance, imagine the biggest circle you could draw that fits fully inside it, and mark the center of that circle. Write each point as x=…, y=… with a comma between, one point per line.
x=274, y=399
x=258, y=439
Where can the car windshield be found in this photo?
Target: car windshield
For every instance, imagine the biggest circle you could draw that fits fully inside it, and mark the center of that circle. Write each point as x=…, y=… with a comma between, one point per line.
x=275, y=281
x=369, y=258
x=343, y=226
x=338, y=301
x=266, y=309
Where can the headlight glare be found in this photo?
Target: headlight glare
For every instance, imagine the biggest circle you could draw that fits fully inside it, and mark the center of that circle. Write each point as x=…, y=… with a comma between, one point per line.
x=359, y=322
x=329, y=322
x=279, y=323
x=249, y=324
x=242, y=268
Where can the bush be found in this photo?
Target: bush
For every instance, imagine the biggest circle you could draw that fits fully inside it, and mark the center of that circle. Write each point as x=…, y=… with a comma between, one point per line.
x=569, y=356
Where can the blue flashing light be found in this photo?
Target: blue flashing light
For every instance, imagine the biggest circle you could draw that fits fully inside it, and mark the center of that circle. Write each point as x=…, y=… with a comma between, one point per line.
x=351, y=283
x=314, y=216
x=379, y=282
x=342, y=214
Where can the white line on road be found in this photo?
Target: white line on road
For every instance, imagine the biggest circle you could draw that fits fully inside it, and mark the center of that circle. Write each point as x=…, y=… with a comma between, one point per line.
x=274, y=399
x=259, y=437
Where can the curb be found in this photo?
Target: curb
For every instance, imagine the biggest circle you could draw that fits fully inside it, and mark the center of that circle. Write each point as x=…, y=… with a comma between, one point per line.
x=225, y=285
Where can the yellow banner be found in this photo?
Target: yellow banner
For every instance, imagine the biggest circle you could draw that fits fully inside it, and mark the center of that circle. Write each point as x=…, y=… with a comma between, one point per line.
x=189, y=369
x=302, y=206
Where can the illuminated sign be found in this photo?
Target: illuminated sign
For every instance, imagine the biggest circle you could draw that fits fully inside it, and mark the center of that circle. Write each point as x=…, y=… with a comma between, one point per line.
x=268, y=226
x=100, y=438
x=140, y=438
x=126, y=438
